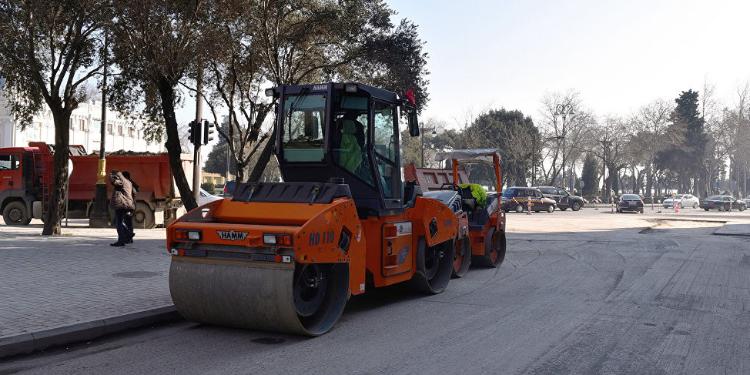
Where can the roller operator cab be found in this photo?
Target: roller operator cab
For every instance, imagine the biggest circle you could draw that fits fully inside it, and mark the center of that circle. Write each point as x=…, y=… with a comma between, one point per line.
x=286, y=256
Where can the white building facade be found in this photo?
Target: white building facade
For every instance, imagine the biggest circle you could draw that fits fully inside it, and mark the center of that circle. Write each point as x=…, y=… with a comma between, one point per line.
x=85, y=127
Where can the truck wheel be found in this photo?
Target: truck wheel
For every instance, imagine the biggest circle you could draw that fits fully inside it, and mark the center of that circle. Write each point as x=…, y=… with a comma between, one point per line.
x=551, y=208
x=15, y=214
x=519, y=208
x=576, y=206
x=143, y=217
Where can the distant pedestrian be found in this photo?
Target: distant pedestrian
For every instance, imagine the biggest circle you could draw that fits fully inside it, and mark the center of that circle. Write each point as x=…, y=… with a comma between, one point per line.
x=131, y=213
x=121, y=202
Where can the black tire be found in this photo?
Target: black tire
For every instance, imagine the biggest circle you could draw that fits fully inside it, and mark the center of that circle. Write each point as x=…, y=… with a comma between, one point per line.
x=15, y=214
x=575, y=206
x=462, y=257
x=695, y=205
x=640, y=210
x=705, y=209
x=143, y=217
x=434, y=267
x=519, y=208
x=494, y=247
x=551, y=208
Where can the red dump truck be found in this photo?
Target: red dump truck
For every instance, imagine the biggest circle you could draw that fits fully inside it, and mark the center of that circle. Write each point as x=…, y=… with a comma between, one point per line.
x=26, y=181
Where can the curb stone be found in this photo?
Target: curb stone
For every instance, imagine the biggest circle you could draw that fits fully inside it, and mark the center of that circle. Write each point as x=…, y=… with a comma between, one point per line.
x=35, y=341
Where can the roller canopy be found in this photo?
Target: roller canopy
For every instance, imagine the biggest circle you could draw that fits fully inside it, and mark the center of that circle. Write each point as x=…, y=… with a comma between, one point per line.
x=465, y=154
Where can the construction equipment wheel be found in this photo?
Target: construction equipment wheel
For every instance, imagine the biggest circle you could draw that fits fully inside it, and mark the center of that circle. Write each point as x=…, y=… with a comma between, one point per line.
x=143, y=216
x=434, y=267
x=495, y=245
x=462, y=257
x=304, y=299
x=15, y=213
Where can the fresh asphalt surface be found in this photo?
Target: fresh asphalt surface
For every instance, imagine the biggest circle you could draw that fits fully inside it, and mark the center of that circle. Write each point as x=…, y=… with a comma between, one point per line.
x=580, y=292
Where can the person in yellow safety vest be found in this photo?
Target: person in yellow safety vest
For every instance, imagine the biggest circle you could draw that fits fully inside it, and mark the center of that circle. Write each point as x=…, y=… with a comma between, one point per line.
x=352, y=142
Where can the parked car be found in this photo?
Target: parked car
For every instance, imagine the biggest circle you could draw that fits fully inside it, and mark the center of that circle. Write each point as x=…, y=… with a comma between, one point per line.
x=630, y=202
x=723, y=203
x=206, y=197
x=516, y=199
x=685, y=200
x=563, y=199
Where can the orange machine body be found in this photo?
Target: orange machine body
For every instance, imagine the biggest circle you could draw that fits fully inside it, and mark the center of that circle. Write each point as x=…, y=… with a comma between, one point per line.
x=385, y=247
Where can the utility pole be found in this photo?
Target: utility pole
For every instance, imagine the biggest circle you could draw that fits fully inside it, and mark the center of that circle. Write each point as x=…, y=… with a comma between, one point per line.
x=421, y=138
x=197, y=145
x=99, y=212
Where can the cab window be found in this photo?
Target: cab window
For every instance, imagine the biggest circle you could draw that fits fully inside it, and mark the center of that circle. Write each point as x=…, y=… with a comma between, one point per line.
x=304, y=121
x=385, y=145
x=9, y=162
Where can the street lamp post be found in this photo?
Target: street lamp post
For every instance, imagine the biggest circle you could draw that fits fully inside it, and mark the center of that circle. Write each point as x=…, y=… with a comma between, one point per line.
x=564, y=110
x=99, y=212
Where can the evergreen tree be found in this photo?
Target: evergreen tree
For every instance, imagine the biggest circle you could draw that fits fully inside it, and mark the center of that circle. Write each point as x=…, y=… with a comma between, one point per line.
x=513, y=134
x=687, y=142
x=589, y=176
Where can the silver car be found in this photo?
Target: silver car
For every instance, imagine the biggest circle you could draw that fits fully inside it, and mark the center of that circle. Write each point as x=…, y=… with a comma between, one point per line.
x=685, y=200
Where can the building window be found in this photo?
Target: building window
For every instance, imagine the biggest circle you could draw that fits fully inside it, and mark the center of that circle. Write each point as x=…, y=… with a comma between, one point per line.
x=70, y=123
x=82, y=125
x=131, y=132
x=120, y=131
x=110, y=129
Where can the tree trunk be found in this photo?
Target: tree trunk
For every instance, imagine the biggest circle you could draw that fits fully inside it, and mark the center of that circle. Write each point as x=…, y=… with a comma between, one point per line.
x=263, y=159
x=56, y=204
x=166, y=91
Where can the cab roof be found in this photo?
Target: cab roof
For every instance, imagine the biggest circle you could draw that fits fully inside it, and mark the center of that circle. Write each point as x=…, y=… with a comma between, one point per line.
x=374, y=92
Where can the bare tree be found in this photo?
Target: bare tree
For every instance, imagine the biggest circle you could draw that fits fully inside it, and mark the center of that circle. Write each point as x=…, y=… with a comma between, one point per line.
x=565, y=126
x=650, y=125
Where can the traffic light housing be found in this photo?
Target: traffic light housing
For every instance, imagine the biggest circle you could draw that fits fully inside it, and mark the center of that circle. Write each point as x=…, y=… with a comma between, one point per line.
x=208, y=132
x=195, y=133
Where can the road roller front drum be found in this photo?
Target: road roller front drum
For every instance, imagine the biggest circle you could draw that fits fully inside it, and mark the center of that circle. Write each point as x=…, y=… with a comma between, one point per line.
x=306, y=299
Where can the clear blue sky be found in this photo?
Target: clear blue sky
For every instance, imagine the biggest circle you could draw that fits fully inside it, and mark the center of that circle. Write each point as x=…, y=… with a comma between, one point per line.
x=618, y=55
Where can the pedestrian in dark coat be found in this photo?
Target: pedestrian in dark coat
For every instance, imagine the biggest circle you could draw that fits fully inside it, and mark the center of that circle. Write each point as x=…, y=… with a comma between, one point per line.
x=131, y=213
x=121, y=202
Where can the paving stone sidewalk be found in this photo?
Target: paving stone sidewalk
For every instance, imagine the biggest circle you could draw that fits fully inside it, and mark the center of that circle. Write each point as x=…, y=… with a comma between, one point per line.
x=53, y=282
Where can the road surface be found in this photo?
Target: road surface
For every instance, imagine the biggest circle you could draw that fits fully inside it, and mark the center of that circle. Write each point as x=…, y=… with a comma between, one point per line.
x=583, y=292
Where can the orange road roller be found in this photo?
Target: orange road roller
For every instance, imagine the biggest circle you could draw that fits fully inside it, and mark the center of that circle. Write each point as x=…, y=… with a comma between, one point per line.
x=286, y=256
x=484, y=218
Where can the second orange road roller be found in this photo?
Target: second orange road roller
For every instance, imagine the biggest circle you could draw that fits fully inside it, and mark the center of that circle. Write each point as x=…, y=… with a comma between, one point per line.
x=286, y=256
x=480, y=222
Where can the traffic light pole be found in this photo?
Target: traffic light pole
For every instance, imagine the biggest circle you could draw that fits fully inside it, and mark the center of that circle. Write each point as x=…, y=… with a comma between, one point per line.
x=199, y=134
